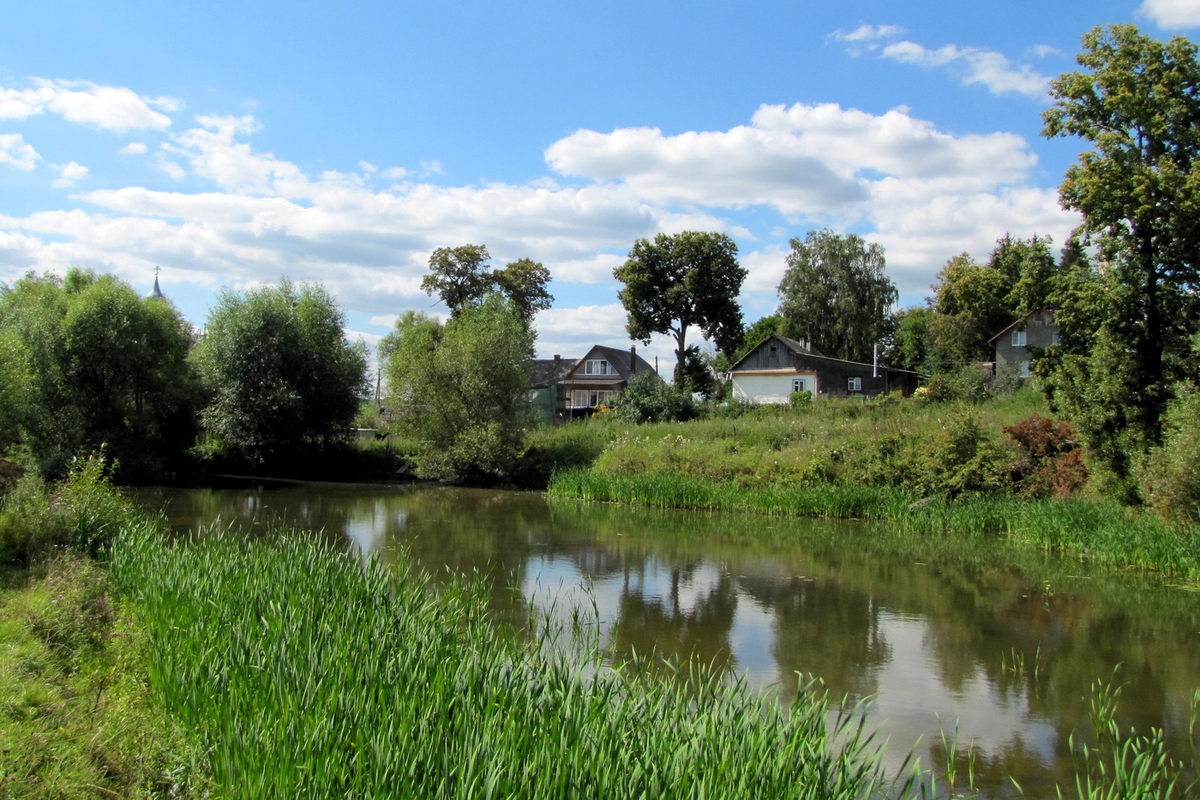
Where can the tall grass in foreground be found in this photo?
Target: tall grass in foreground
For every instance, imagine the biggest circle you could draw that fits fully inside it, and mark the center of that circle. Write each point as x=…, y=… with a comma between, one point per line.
x=308, y=675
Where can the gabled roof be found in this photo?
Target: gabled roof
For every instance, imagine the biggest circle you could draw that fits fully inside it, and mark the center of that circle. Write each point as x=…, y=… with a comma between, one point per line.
x=1025, y=318
x=620, y=359
x=795, y=346
x=808, y=351
x=549, y=371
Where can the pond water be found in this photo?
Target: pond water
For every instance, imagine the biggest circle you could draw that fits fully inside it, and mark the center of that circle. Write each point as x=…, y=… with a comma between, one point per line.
x=1002, y=644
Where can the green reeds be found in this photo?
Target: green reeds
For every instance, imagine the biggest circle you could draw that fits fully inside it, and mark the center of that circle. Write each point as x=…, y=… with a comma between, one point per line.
x=309, y=675
x=671, y=490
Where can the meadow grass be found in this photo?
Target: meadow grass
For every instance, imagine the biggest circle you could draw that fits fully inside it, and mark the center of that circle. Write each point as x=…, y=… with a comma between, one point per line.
x=308, y=674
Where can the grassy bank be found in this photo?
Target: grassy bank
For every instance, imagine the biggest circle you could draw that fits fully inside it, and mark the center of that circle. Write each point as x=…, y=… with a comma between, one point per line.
x=918, y=468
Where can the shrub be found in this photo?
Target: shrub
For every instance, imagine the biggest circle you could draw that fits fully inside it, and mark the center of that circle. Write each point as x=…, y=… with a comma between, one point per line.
x=1169, y=478
x=83, y=514
x=648, y=399
x=800, y=399
x=1053, y=463
x=967, y=383
x=962, y=458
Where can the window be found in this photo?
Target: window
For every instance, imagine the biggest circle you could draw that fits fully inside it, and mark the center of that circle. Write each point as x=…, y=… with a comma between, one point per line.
x=1018, y=338
x=1025, y=373
x=799, y=385
x=1055, y=337
x=854, y=385
x=591, y=398
x=598, y=366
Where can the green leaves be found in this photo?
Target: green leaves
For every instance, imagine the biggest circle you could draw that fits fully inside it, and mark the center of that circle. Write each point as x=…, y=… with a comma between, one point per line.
x=675, y=282
x=281, y=376
x=461, y=388
x=836, y=295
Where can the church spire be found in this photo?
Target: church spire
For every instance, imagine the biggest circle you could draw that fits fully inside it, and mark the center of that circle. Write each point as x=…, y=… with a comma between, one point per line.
x=156, y=293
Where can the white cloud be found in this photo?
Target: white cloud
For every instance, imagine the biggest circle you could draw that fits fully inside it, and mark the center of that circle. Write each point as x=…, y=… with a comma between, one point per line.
x=805, y=160
x=368, y=167
x=133, y=149
x=395, y=173
x=993, y=70
x=14, y=150
x=108, y=107
x=973, y=64
x=69, y=174
x=869, y=33
x=921, y=192
x=1172, y=13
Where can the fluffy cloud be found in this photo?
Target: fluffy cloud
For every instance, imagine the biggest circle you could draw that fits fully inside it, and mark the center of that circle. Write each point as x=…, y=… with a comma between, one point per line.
x=69, y=174
x=108, y=107
x=1172, y=13
x=973, y=64
x=921, y=192
x=16, y=152
x=133, y=149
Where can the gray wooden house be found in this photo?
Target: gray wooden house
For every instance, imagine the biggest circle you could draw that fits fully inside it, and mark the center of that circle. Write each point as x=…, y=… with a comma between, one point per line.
x=1015, y=344
x=778, y=366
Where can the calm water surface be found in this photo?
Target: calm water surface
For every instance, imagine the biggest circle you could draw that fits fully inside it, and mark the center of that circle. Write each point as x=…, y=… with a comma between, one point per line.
x=935, y=636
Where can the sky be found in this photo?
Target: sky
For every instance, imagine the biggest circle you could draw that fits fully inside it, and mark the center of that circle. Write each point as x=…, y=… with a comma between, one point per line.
x=234, y=143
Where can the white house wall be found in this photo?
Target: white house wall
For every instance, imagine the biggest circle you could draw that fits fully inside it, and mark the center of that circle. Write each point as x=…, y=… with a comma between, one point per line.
x=768, y=389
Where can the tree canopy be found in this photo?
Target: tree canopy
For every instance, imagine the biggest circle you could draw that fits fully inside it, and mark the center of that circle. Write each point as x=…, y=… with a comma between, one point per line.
x=1137, y=102
x=104, y=367
x=461, y=278
x=836, y=294
x=461, y=388
x=676, y=281
x=281, y=377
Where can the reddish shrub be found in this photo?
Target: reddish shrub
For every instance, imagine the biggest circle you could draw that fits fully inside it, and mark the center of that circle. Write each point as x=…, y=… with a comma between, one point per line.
x=1054, y=460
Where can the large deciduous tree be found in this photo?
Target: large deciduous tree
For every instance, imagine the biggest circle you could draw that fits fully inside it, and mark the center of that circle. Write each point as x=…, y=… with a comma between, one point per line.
x=105, y=368
x=461, y=278
x=461, y=388
x=282, y=378
x=836, y=294
x=1137, y=102
x=674, y=282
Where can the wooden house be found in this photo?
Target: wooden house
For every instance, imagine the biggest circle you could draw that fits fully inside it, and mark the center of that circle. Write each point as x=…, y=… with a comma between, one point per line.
x=1015, y=343
x=777, y=366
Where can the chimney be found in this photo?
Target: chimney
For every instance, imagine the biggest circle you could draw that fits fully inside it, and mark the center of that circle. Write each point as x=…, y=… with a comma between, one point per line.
x=632, y=359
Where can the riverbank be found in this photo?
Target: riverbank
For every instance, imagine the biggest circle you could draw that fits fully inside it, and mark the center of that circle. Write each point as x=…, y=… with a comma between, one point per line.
x=998, y=469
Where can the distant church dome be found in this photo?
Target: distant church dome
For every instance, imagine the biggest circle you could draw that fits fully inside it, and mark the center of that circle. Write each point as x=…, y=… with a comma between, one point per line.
x=156, y=293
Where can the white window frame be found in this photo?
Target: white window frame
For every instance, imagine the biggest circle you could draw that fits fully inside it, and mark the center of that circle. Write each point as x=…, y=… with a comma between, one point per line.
x=1055, y=337
x=598, y=366
x=1025, y=368
x=854, y=385
x=1019, y=339
x=799, y=384
x=591, y=398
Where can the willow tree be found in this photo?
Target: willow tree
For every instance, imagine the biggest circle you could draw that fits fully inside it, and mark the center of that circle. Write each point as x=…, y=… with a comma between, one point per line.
x=836, y=294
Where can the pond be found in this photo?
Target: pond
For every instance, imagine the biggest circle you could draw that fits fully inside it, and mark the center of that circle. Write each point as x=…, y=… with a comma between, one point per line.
x=1000, y=644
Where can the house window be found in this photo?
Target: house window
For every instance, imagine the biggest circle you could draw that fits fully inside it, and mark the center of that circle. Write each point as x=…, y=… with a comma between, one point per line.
x=799, y=385
x=598, y=366
x=854, y=385
x=1018, y=338
x=1025, y=373
x=591, y=398
x=1055, y=337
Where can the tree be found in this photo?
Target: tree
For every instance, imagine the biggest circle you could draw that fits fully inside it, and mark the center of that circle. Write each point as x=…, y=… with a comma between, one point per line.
x=836, y=295
x=105, y=367
x=675, y=282
x=461, y=388
x=911, y=340
x=461, y=278
x=16, y=385
x=1137, y=102
x=282, y=379
x=970, y=306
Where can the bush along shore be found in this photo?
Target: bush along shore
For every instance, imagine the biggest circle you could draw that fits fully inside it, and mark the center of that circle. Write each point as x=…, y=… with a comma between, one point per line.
x=276, y=667
x=997, y=469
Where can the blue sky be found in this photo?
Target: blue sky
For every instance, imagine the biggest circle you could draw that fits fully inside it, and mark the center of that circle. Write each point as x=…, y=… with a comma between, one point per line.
x=231, y=143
